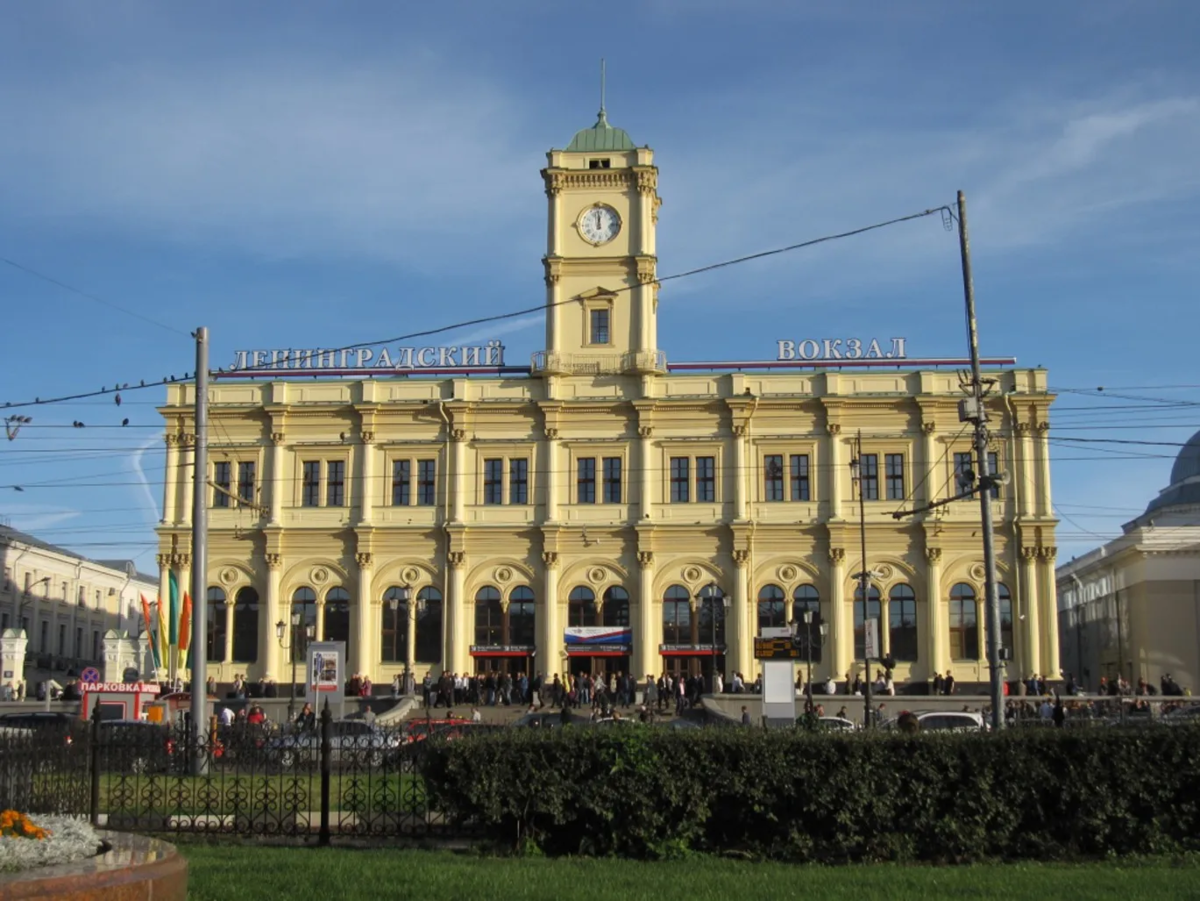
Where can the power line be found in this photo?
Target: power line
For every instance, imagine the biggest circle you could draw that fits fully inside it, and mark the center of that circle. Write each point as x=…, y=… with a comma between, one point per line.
x=92, y=297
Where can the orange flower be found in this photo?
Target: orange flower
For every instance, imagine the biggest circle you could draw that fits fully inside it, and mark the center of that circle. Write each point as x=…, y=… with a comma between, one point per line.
x=18, y=825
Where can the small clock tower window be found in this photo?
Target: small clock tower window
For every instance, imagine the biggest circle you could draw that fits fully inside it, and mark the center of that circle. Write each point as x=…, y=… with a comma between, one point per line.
x=600, y=164
x=599, y=331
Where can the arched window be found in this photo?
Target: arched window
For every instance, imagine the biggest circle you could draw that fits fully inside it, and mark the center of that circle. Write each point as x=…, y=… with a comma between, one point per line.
x=772, y=610
x=964, y=625
x=215, y=617
x=616, y=607
x=1006, y=616
x=337, y=617
x=581, y=607
x=304, y=602
x=710, y=611
x=677, y=616
x=489, y=617
x=902, y=622
x=521, y=617
x=429, y=625
x=806, y=597
x=394, y=628
x=860, y=633
x=245, y=626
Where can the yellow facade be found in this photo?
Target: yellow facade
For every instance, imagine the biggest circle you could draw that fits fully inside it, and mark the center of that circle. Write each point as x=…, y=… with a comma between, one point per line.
x=465, y=530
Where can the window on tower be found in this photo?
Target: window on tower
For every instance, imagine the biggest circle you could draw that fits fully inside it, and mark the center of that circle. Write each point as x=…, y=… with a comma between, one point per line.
x=599, y=332
x=600, y=164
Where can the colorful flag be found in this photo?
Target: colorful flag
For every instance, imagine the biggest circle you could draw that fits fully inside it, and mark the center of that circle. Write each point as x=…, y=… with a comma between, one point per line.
x=185, y=623
x=173, y=623
x=150, y=630
x=162, y=634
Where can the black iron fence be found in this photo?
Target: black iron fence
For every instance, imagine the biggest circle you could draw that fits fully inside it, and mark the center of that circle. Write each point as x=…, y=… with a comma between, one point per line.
x=339, y=777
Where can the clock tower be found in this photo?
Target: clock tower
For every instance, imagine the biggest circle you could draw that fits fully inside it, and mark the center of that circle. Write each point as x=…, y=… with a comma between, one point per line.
x=601, y=297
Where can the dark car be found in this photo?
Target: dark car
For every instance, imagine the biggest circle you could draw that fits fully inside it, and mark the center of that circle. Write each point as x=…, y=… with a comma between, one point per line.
x=134, y=746
x=63, y=728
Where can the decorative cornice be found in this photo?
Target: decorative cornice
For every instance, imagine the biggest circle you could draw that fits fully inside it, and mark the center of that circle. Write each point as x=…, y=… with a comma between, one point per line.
x=550, y=433
x=1043, y=426
x=837, y=556
x=277, y=438
x=1023, y=428
x=654, y=209
x=645, y=558
x=741, y=558
x=645, y=431
x=646, y=270
x=1047, y=553
x=739, y=430
x=929, y=427
x=933, y=555
x=363, y=559
x=647, y=179
x=550, y=559
x=834, y=428
x=553, y=267
x=458, y=434
x=558, y=180
x=456, y=558
x=274, y=561
x=164, y=560
x=1029, y=553
x=171, y=439
x=366, y=437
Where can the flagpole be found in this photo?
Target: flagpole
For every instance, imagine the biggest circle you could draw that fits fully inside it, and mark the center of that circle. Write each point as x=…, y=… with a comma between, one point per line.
x=197, y=637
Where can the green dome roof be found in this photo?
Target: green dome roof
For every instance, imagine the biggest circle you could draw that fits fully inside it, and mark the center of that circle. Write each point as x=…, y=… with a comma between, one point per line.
x=600, y=136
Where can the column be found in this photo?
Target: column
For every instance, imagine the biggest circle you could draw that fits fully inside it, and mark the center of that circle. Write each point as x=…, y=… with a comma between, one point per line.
x=645, y=641
x=938, y=640
x=549, y=635
x=554, y=477
x=833, y=483
x=367, y=491
x=841, y=634
x=458, y=652
x=271, y=615
x=929, y=451
x=739, y=481
x=229, y=608
x=410, y=636
x=741, y=653
x=1047, y=612
x=172, y=478
x=183, y=480
x=319, y=631
x=1022, y=471
x=458, y=477
x=1027, y=610
x=363, y=660
x=646, y=506
x=278, y=485
x=1044, y=507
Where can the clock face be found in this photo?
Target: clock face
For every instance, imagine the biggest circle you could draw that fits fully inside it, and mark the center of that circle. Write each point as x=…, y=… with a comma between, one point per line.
x=599, y=224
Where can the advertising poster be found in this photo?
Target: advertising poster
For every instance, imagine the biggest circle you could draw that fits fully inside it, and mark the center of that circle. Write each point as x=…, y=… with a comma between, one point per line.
x=326, y=675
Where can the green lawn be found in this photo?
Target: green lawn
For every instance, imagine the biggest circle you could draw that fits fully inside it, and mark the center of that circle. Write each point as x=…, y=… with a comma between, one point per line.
x=233, y=873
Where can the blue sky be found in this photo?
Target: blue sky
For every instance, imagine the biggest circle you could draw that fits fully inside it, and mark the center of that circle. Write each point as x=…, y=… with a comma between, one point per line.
x=295, y=174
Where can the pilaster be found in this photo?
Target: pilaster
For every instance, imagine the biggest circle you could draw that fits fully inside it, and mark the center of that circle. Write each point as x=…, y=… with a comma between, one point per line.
x=271, y=615
x=645, y=642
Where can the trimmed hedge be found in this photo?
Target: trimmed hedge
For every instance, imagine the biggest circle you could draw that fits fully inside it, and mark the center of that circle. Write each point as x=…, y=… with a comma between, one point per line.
x=651, y=793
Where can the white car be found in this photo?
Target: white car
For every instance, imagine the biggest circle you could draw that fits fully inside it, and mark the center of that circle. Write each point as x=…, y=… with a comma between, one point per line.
x=952, y=721
x=838, y=724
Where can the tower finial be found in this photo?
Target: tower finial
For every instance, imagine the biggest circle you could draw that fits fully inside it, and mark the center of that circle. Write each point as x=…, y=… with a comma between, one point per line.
x=603, y=114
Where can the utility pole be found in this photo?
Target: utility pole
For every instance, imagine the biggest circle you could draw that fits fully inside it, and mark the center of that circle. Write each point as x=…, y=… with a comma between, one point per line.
x=200, y=561
x=972, y=410
x=864, y=575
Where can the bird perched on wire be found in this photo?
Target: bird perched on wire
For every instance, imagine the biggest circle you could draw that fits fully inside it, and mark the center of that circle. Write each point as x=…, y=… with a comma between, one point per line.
x=125, y=421
x=77, y=424
x=117, y=398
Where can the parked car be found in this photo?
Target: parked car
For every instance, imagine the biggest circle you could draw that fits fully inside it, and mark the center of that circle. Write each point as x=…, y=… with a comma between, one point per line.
x=952, y=721
x=543, y=720
x=65, y=729
x=838, y=724
x=351, y=743
x=136, y=746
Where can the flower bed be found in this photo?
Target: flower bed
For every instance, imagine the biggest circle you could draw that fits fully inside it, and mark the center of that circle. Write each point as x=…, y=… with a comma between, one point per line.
x=27, y=844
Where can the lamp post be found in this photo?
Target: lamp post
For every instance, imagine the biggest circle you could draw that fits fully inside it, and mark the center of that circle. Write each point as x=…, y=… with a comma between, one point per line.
x=808, y=645
x=402, y=595
x=712, y=593
x=280, y=630
x=864, y=576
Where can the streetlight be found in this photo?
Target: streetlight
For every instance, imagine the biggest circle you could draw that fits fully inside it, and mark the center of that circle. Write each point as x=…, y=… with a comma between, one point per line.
x=396, y=597
x=864, y=576
x=712, y=593
x=280, y=631
x=808, y=644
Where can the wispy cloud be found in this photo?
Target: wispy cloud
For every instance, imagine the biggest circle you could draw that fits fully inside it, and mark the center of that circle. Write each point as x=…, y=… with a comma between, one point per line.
x=149, y=504
x=34, y=518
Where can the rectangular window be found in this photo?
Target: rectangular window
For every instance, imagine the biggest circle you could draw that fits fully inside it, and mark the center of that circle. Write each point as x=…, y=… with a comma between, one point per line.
x=222, y=473
x=680, y=472
x=62, y=640
x=97, y=598
x=493, y=481
x=518, y=481
x=994, y=469
x=426, y=483
x=868, y=473
x=44, y=647
x=335, y=483
x=599, y=327
x=310, y=492
x=78, y=641
x=246, y=480
x=773, y=477
x=706, y=479
x=401, y=483
x=893, y=470
x=585, y=481
x=801, y=488
x=3, y=621
x=612, y=480
x=962, y=464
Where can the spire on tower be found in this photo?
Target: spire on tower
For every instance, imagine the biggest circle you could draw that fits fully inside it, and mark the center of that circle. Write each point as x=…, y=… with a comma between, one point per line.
x=603, y=115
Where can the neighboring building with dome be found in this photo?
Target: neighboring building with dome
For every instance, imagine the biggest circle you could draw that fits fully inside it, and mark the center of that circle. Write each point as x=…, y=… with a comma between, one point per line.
x=1133, y=606
x=601, y=507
